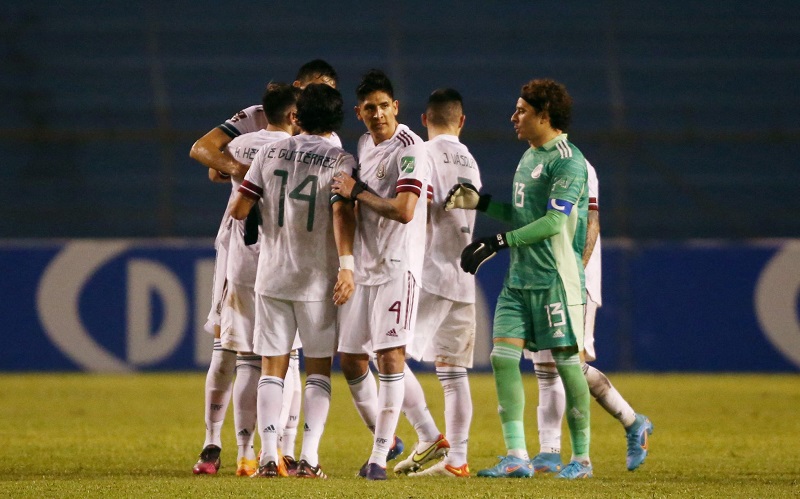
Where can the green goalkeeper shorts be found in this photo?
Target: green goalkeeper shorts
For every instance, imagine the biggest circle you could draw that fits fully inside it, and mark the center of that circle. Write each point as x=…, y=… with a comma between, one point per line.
x=540, y=317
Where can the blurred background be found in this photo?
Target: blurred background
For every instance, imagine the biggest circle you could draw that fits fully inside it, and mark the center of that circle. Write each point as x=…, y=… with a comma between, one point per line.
x=688, y=110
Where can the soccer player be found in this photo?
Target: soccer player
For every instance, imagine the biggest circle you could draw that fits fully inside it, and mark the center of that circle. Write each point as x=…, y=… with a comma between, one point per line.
x=308, y=233
x=238, y=310
x=445, y=329
x=211, y=151
x=391, y=195
x=551, y=391
x=541, y=304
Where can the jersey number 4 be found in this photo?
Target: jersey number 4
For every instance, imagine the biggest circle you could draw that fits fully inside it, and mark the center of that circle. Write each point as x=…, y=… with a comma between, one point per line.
x=297, y=193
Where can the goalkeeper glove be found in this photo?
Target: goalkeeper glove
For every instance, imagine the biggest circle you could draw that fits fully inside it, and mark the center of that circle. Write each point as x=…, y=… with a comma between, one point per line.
x=251, y=224
x=467, y=197
x=475, y=254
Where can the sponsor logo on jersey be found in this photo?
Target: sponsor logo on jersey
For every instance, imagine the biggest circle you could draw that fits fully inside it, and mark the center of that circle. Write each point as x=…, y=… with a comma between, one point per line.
x=561, y=182
x=537, y=172
x=564, y=207
x=381, y=171
x=407, y=164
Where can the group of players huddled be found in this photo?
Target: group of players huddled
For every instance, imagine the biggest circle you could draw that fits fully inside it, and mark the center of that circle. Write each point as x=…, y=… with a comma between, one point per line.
x=372, y=256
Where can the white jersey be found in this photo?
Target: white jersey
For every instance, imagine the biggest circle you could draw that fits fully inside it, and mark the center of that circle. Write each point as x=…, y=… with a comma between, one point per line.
x=593, y=272
x=292, y=177
x=243, y=259
x=385, y=248
x=449, y=231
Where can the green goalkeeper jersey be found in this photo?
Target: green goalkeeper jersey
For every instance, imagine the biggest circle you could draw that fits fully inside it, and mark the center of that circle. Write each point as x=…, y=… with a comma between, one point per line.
x=553, y=176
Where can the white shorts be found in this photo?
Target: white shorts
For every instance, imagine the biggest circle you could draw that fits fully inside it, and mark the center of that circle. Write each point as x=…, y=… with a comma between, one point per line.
x=279, y=322
x=589, y=313
x=218, y=289
x=379, y=317
x=445, y=331
x=238, y=318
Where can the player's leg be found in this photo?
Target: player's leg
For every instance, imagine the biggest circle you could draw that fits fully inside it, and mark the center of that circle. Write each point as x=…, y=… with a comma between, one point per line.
x=550, y=413
x=219, y=378
x=511, y=325
x=274, y=332
x=393, y=313
x=637, y=426
x=576, y=388
x=290, y=412
x=238, y=318
x=431, y=443
x=450, y=327
x=354, y=359
x=317, y=329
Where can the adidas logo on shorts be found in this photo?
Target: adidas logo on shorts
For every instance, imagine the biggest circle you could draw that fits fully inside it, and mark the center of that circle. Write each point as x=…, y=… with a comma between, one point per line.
x=558, y=334
x=392, y=333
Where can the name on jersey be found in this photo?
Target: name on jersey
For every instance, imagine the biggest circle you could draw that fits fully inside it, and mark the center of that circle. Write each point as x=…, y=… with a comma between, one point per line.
x=246, y=152
x=309, y=158
x=453, y=158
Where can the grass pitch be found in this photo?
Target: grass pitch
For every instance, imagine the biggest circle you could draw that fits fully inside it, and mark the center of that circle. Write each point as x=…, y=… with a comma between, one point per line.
x=82, y=435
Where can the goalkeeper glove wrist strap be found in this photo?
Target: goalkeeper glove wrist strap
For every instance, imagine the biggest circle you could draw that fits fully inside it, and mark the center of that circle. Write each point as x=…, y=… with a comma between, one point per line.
x=483, y=202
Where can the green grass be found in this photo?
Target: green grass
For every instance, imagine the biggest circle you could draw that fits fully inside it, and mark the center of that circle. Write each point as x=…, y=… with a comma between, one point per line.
x=80, y=435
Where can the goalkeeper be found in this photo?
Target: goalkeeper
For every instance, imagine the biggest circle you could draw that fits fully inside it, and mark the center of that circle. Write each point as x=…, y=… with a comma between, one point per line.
x=541, y=304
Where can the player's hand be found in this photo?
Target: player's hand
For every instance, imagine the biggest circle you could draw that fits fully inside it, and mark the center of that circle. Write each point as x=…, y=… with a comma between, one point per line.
x=346, y=186
x=466, y=197
x=344, y=287
x=475, y=254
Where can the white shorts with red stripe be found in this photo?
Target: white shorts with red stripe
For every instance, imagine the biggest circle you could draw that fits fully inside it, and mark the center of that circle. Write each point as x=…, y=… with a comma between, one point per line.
x=379, y=317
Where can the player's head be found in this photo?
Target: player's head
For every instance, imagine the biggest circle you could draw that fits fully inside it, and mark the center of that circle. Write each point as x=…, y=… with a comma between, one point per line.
x=376, y=105
x=543, y=107
x=445, y=111
x=280, y=103
x=319, y=109
x=316, y=71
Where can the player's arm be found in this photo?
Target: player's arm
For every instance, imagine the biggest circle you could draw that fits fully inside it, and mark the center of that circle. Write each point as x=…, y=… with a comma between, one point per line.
x=592, y=231
x=241, y=206
x=209, y=150
x=399, y=208
x=465, y=196
x=478, y=252
x=344, y=229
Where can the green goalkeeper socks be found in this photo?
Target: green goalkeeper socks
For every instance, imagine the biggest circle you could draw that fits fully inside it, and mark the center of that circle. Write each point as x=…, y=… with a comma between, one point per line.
x=578, y=401
x=510, y=393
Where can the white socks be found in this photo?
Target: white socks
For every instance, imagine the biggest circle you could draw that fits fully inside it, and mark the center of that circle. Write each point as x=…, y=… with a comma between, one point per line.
x=457, y=412
x=270, y=390
x=552, y=403
x=245, y=396
x=390, y=401
x=416, y=410
x=364, y=390
x=218, y=392
x=290, y=410
x=317, y=403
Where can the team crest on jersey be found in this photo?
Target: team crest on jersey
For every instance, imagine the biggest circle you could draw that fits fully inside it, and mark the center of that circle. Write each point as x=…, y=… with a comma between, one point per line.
x=407, y=164
x=381, y=171
x=537, y=172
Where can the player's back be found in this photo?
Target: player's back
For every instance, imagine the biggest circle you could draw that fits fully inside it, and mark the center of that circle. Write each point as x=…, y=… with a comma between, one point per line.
x=299, y=256
x=449, y=231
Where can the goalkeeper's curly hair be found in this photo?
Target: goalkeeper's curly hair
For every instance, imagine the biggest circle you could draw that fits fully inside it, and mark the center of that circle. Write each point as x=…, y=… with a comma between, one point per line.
x=552, y=97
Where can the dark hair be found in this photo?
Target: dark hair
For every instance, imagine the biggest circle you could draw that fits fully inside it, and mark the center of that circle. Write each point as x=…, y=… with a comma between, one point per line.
x=445, y=107
x=315, y=69
x=277, y=99
x=374, y=80
x=319, y=109
x=552, y=97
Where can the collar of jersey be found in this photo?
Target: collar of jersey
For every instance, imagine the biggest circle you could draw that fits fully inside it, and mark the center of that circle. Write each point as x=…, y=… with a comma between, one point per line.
x=549, y=146
x=447, y=137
